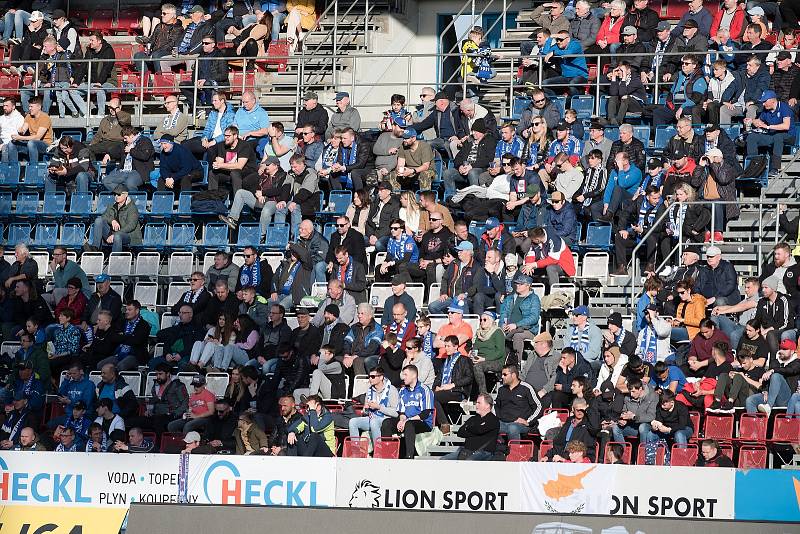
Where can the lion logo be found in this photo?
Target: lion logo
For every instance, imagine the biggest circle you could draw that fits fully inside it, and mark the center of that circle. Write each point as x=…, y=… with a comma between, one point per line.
x=365, y=495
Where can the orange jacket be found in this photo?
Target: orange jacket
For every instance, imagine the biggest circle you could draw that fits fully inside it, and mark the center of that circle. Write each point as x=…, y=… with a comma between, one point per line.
x=692, y=313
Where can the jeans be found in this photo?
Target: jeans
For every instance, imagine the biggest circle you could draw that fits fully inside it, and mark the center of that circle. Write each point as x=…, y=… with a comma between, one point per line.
x=793, y=406
x=78, y=95
x=513, y=430
x=476, y=456
x=267, y=368
x=204, y=352
x=440, y=306
x=277, y=21
x=243, y=198
x=82, y=180
x=321, y=272
x=777, y=395
x=730, y=328
x=295, y=218
x=27, y=92
x=380, y=244
x=32, y=149
x=774, y=140
x=16, y=22
x=130, y=179
x=233, y=353
x=359, y=424
x=154, y=66
x=631, y=429
x=452, y=176
x=102, y=230
x=680, y=437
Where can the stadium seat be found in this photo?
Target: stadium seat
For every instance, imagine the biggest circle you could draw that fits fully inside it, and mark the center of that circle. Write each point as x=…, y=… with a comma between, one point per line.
x=387, y=448
x=46, y=235
x=752, y=428
x=19, y=233
x=175, y=291
x=249, y=235
x=583, y=105
x=104, y=200
x=520, y=450
x=719, y=427
x=35, y=174
x=663, y=135
x=171, y=441
x=161, y=205
x=27, y=204
x=641, y=456
x=148, y=264
x=181, y=264
x=73, y=235
x=146, y=293
x=338, y=201
x=752, y=457
x=378, y=293
x=156, y=236
x=642, y=133
x=356, y=447
x=544, y=448
x=786, y=429
x=277, y=236
x=217, y=383
x=9, y=175
x=215, y=236
x=684, y=455
x=183, y=236
x=55, y=203
x=80, y=205
x=119, y=264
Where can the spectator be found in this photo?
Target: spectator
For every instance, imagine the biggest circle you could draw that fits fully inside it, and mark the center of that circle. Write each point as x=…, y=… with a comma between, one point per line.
x=197, y=297
x=560, y=215
x=549, y=252
x=234, y=162
x=137, y=161
x=597, y=141
x=10, y=122
x=380, y=402
x=53, y=79
x=414, y=163
x=584, y=25
x=272, y=189
x=34, y=136
x=775, y=313
x=645, y=20
x=517, y=404
x=69, y=164
x=608, y=37
x=585, y=337
x=253, y=123
x=29, y=43
x=715, y=137
x=753, y=42
x=255, y=273
x=554, y=20
x=627, y=94
x=415, y=412
x=417, y=357
x=687, y=93
x=619, y=336
x=351, y=277
x=210, y=350
x=312, y=114
x=119, y=225
x=345, y=115
x=653, y=340
x=349, y=237
x=398, y=296
x=711, y=455
x=212, y=69
x=775, y=125
x=328, y=377
x=785, y=79
x=722, y=97
x=460, y=284
x=638, y=411
x=519, y=314
x=646, y=211
x=729, y=17
x=341, y=299
x=250, y=439
x=489, y=347
x=453, y=383
x=178, y=341
x=352, y=162
x=97, y=81
x=667, y=377
x=627, y=143
x=178, y=168
x=220, y=428
x=746, y=309
x=37, y=355
x=247, y=346
x=572, y=69
x=116, y=396
x=362, y=342
x=386, y=146
x=402, y=254
x=778, y=382
x=672, y=422
x=219, y=119
x=136, y=442
x=74, y=299
x=446, y=121
x=223, y=301
x=701, y=350
x=304, y=189
x=108, y=142
x=786, y=269
x=293, y=278
x=698, y=14
x=199, y=409
x=280, y=145
x=690, y=311
x=104, y=298
x=590, y=194
x=540, y=106
x=165, y=38
x=736, y=386
x=455, y=326
x=480, y=433
x=294, y=365
x=575, y=428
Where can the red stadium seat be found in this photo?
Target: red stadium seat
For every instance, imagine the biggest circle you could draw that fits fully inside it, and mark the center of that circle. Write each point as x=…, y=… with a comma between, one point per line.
x=388, y=448
x=641, y=457
x=278, y=53
x=241, y=81
x=102, y=20
x=752, y=457
x=356, y=447
x=752, y=427
x=694, y=417
x=675, y=9
x=718, y=426
x=544, y=448
x=627, y=451
x=170, y=440
x=786, y=429
x=164, y=84
x=685, y=455
x=128, y=20
x=9, y=85
x=520, y=450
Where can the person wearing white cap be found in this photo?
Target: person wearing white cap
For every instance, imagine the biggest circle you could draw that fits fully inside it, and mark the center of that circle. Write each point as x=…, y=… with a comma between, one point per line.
x=721, y=285
x=716, y=178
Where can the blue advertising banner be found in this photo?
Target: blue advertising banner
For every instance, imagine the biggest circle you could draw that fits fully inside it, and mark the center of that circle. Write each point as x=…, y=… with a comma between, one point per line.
x=767, y=495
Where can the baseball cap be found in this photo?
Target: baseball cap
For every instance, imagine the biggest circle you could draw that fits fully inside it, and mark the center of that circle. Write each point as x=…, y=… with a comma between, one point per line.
x=562, y=126
x=384, y=184
x=691, y=23
x=783, y=54
x=522, y=279
x=532, y=190
x=679, y=153
x=629, y=30
x=120, y=189
x=197, y=9
x=714, y=153
x=36, y=15
x=408, y=133
x=400, y=279
x=580, y=310
x=457, y=306
x=766, y=95
x=654, y=163
x=302, y=310
x=713, y=251
x=492, y=223
x=788, y=344
x=341, y=94
x=333, y=309
x=102, y=278
x=664, y=25
x=191, y=437
x=465, y=245
x=544, y=336
x=492, y=315
x=615, y=319
x=199, y=380
x=59, y=14
x=272, y=160
x=441, y=95
x=756, y=11
x=79, y=405
x=310, y=95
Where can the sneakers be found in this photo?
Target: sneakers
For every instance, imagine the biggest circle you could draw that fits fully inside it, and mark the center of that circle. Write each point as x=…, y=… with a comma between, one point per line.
x=726, y=407
x=765, y=408
x=14, y=41
x=774, y=174
x=715, y=406
x=232, y=223
x=718, y=237
x=666, y=271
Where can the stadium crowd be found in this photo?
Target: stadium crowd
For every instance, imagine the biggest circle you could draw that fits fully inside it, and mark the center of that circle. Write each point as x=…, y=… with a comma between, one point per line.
x=532, y=183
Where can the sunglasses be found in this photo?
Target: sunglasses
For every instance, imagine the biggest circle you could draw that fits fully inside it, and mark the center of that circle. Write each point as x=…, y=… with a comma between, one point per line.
x=195, y=279
x=539, y=101
x=537, y=123
x=681, y=292
x=249, y=255
x=432, y=220
x=208, y=43
x=396, y=228
x=560, y=39
x=374, y=376
x=341, y=225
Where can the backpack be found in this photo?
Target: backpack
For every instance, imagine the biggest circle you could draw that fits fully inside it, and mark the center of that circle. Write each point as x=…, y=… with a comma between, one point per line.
x=151, y=317
x=756, y=167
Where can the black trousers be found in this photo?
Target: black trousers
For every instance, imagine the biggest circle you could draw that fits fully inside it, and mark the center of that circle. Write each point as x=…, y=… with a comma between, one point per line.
x=234, y=180
x=183, y=183
x=195, y=146
x=441, y=399
x=409, y=433
x=309, y=445
x=112, y=148
x=623, y=247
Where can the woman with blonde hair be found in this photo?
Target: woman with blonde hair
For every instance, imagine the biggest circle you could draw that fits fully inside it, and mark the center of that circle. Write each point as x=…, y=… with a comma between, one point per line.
x=538, y=143
x=415, y=219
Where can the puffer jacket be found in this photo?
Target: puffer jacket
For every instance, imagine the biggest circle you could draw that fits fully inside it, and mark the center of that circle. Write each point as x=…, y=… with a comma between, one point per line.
x=725, y=177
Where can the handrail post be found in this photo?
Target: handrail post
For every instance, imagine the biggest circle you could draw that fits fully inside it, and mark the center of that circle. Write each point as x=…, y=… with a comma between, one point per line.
x=143, y=80
x=196, y=77
x=713, y=213
x=408, y=76
x=89, y=93
x=353, y=80
x=597, y=90
x=366, y=26
x=335, y=39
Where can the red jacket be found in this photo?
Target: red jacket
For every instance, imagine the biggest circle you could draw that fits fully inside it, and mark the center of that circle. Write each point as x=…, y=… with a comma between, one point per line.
x=608, y=32
x=77, y=306
x=737, y=24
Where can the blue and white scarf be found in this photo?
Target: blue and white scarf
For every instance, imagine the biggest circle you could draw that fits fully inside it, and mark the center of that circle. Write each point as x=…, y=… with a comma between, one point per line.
x=579, y=340
x=250, y=275
x=648, y=344
x=351, y=159
x=103, y=444
x=447, y=369
x=12, y=426
x=345, y=272
x=286, y=289
x=130, y=326
x=128, y=165
x=427, y=345
x=71, y=448
x=190, y=297
x=381, y=397
x=399, y=329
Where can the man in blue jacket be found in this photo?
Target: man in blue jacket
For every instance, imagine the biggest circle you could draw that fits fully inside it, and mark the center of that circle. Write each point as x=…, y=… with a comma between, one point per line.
x=574, y=71
x=178, y=167
x=221, y=116
x=560, y=216
x=622, y=185
x=688, y=92
x=76, y=388
x=774, y=126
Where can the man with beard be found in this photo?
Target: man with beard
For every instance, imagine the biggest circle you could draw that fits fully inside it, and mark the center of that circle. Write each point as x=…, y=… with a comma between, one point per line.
x=234, y=162
x=433, y=247
x=414, y=163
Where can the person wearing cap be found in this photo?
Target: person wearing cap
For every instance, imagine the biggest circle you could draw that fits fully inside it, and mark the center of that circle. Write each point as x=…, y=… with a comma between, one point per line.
x=178, y=168
x=626, y=92
x=65, y=33
x=519, y=314
x=294, y=365
x=201, y=407
x=165, y=37
x=732, y=11
x=617, y=335
x=119, y=224
x=414, y=163
x=28, y=45
x=687, y=92
x=540, y=372
x=445, y=120
x=775, y=313
x=572, y=67
x=637, y=219
x=774, y=127
x=585, y=337
x=26, y=385
x=102, y=52
x=663, y=43
x=489, y=346
x=69, y=163
x=312, y=114
x=495, y=236
x=679, y=173
x=344, y=116
x=272, y=189
x=461, y=283
x=18, y=417
x=53, y=83
x=137, y=161
x=623, y=183
x=779, y=382
x=699, y=15
x=560, y=216
x=386, y=146
x=475, y=156
x=717, y=179
x=716, y=137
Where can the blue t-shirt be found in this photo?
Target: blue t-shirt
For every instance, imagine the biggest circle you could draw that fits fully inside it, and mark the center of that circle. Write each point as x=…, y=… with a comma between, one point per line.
x=776, y=117
x=674, y=373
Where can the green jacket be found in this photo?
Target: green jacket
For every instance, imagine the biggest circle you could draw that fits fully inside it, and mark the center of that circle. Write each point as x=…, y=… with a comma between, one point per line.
x=71, y=270
x=493, y=348
x=128, y=218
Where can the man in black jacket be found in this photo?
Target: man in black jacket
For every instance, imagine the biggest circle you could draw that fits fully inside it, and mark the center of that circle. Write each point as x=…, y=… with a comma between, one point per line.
x=348, y=237
x=313, y=114
x=353, y=162
x=446, y=121
x=178, y=340
x=787, y=271
x=137, y=161
x=30, y=48
x=381, y=213
x=644, y=19
x=453, y=383
x=774, y=312
x=70, y=163
x=479, y=432
x=351, y=273
x=103, y=53
x=220, y=427
x=517, y=404
x=196, y=296
x=434, y=245
x=104, y=298
x=130, y=340
x=577, y=427
x=462, y=282
x=473, y=159
x=294, y=367
x=165, y=37
x=627, y=143
x=636, y=220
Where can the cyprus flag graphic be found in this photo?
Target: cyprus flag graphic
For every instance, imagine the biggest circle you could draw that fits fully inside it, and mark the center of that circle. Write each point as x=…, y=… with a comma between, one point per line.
x=560, y=488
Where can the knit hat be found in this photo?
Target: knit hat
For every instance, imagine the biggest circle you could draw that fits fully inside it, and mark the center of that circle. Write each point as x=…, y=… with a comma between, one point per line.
x=771, y=282
x=333, y=309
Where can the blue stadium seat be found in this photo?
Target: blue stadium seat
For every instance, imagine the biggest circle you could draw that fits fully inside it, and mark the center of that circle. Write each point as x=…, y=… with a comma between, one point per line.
x=439, y=165
x=517, y=107
x=338, y=201
x=583, y=105
x=612, y=134
x=140, y=198
x=77, y=135
x=642, y=133
x=156, y=236
x=328, y=230
x=598, y=236
x=19, y=233
x=35, y=174
x=182, y=236
x=277, y=236
x=562, y=102
x=9, y=174
x=6, y=200
x=185, y=203
x=73, y=234
x=663, y=134
x=55, y=204
x=104, y=200
x=603, y=105
x=734, y=131
x=80, y=205
x=46, y=235
x=27, y=204
x=215, y=236
x=249, y=235
x=162, y=204
x=477, y=229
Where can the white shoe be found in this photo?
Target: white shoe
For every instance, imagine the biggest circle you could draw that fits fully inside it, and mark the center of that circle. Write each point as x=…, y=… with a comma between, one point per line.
x=765, y=408
x=665, y=272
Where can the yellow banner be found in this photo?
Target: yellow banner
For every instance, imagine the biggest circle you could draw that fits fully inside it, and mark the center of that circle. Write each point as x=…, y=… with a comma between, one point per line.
x=60, y=520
